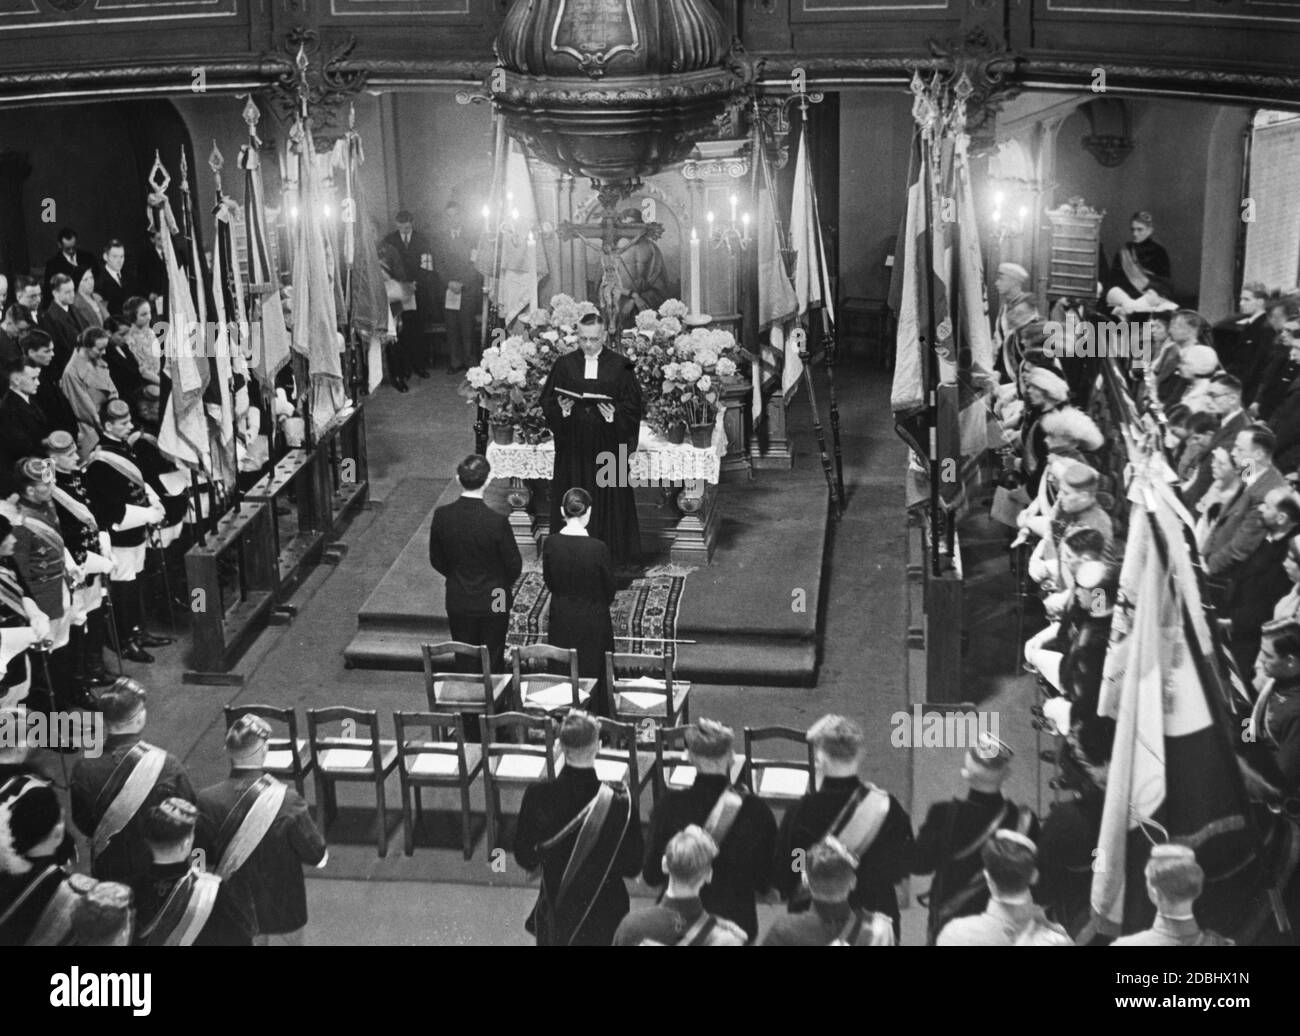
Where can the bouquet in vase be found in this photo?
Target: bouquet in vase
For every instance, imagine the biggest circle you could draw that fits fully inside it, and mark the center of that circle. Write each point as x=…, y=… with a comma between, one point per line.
x=692, y=378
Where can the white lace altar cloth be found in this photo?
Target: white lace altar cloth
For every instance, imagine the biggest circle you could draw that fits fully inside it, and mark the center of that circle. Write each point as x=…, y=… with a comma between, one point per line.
x=655, y=461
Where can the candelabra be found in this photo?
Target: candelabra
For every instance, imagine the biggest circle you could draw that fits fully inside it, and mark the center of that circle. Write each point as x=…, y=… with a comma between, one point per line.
x=734, y=235
x=1005, y=227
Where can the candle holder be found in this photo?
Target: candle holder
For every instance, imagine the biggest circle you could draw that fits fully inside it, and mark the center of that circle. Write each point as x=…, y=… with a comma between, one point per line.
x=734, y=235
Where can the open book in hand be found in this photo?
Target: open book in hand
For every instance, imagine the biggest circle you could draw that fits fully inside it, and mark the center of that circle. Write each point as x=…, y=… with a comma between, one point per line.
x=586, y=397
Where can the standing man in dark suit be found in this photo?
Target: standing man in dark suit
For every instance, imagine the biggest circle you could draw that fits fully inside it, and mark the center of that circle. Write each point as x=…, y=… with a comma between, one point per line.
x=23, y=424
x=457, y=253
x=417, y=260
x=868, y=821
x=38, y=350
x=261, y=834
x=740, y=824
x=69, y=260
x=1240, y=528
x=1225, y=399
x=472, y=546
x=112, y=284
x=62, y=323
x=1260, y=581
x=27, y=293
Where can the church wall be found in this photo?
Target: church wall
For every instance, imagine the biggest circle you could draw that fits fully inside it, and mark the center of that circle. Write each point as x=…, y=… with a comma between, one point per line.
x=1164, y=174
x=875, y=142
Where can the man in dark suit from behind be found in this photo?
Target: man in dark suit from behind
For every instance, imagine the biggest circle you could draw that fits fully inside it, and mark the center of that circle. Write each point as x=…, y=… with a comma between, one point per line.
x=473, y=548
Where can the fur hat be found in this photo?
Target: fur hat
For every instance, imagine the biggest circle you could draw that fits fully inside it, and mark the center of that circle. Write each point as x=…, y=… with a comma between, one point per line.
x=29, y=813
x=1049, y=384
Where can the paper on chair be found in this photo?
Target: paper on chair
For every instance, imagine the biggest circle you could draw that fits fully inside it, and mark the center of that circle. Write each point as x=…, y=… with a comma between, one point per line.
x=520, y=766
x=642, y=681
x=681, y=776
x=643, y=700
x=280, y=760
x=611, y=770
x=552, y=696
x=781, y=780
x=434, y=764
x=346, y=758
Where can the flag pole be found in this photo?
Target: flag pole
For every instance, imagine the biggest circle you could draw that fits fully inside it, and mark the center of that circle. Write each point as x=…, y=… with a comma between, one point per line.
x=927, y=351
x=224, y=252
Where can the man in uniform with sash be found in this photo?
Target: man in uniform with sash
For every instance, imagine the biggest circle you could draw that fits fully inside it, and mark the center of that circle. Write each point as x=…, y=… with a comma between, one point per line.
x=91, y=550
x=123, y=504
x=949, y=842
x=110, y=793
x=22, y=624
x=178, y=901
x=582, y=834
x=868, y=821
x=680, y=918
x=829, y=875
x=35, y=848
x=42, y=559
x=261, y=831
x=740, y=824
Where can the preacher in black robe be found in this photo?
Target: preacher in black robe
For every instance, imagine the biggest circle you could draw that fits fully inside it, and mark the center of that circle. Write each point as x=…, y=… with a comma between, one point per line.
x=1141, y=261
x=586, y=442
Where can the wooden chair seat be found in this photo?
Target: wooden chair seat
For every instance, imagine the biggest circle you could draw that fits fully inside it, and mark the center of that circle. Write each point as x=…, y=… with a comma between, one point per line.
x=681, y=774
x=612, y=765
x=279, y=756
x=641, y=698
x=523, y=764
x=781, y=782
x=441, y=764
x=464, y=691
x=551, y=692
x=352, y=759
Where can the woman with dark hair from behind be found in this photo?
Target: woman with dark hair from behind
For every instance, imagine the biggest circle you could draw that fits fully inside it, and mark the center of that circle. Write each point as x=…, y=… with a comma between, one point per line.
x=578, y=573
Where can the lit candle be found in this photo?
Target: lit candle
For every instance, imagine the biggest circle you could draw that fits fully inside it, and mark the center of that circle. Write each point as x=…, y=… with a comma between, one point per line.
x=487, y=211
x=695, y=269
x=1024, y=215
x=734, y=202
x=532, y=270
x=744, y=222
x=709, y=217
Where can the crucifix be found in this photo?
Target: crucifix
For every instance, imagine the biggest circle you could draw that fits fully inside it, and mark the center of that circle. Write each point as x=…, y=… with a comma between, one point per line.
x=611, y=237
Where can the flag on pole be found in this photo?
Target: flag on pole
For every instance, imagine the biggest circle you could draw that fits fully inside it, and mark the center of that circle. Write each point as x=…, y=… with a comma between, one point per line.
x=522, y=262
x=269, y=336
x=367, y=298
x=225, y=297
x=812, y=283
x=315, y=325
x=1173, y=768
x=777, y=303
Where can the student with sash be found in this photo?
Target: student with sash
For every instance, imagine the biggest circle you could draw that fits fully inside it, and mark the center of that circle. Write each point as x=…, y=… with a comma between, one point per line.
x=124, y=504
x=1012, y=918
x=43, y=560
x=179, y=902
x=582, y=835
x=92, y=551
x=680, y=918
x=109, y=793
x=741, y=825
x=949, y=842
x=867, y=820
x=829, y=874
x=262, y=833
x=22, y=624
x=35, y=849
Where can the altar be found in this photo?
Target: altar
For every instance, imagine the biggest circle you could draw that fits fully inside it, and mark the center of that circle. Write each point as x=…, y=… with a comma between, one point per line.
x=675, y=487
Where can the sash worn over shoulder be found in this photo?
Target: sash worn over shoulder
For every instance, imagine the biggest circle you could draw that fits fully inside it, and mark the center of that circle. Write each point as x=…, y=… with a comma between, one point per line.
x=243, y=830
x=185, y=912
x=44, y=531
x=32, y=888
x=861, y=819
x=945, y=904
x=11, y=592
x=55, y=923
x=698, y=933
x=124, y=467
x=75, y=507
x=601, y=826
x=127, y=788
x=723, y=815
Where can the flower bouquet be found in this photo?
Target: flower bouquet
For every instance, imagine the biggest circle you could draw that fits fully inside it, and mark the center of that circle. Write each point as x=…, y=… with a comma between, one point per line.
x=696, y=364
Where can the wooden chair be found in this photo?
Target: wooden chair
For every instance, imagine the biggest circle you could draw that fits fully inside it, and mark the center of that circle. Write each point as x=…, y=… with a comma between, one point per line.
x=442, y=761
x=463, y=692
x=620, y=761
x=662, y=700
x=777, y=780
x=351, y=760
x=547, y=687
x=673, y=769
x=514, y=763
x=287, y=757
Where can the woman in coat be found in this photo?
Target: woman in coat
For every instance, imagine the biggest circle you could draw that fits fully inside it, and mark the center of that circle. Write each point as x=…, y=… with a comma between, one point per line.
x=578, y=573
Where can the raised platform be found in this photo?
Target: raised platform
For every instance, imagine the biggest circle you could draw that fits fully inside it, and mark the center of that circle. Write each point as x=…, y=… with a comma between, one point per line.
x=753, y=611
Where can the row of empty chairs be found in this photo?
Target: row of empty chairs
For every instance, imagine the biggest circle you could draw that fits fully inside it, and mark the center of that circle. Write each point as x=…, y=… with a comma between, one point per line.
x=430, y=750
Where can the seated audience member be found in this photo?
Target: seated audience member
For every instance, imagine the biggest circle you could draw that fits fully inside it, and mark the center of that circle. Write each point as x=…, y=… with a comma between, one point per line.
x=1226, y=405
x=23, y=424
x=679, y=919
x=740, y=823
x=12, y=328
x=949, y=842
x=1285, y=419
x=1196, y=367
x=1276, y=716
x=867, y=820
x=178, y=904
x=1011, y=918
x=141, y=338
x=1288, y=607
x=87, y=385
x=1174, y=881
x=1193, y=450
x=1076, y=506
x=829, y=875
x=1225, y=483
x=1278, y=312
x=582, y=904
x=39, y=350
x=1085, y=656
x=1261, y=579
x=1044, y=393
x=123, y=367
x=1240, y=527
x=1279, y=373
x=1045, y=650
